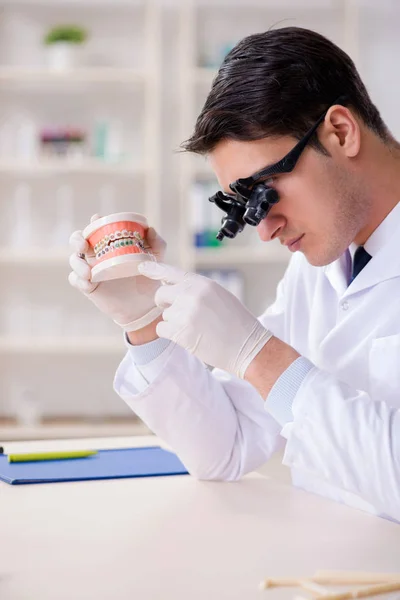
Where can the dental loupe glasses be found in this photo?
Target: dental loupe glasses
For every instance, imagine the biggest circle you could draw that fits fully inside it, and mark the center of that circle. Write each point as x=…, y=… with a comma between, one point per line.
x=253, y=198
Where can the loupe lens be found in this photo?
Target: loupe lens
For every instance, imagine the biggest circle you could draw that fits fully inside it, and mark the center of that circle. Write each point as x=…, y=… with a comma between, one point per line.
x=250, y=217
x=230, y=229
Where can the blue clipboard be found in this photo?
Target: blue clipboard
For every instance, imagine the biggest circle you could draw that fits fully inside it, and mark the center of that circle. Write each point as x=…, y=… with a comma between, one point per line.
x=150, y=461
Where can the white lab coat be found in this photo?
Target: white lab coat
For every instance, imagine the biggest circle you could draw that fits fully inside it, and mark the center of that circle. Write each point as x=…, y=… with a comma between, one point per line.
x=344, y=441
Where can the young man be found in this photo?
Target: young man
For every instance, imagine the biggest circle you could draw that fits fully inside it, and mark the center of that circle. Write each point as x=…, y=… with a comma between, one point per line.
x=319, y=371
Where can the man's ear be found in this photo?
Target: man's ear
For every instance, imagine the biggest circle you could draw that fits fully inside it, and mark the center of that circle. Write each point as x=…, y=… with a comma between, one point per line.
x=342, y=132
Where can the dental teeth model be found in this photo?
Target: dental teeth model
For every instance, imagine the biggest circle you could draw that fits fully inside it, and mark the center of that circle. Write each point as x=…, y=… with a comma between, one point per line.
x=119, y=239
x=118, y=244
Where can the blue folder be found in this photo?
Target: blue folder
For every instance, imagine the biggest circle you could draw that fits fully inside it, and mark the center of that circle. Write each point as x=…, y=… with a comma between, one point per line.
x=151, y=461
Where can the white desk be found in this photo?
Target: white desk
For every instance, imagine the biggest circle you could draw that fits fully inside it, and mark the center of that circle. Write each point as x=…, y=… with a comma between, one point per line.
x=175, y=538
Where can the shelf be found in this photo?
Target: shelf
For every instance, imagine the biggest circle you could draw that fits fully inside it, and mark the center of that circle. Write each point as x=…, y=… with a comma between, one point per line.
x=62, y=345
x=219, y=257
x=213, y=257
x=90, y=166
x=56, y=431
x=16, y=74
x=31, y=256
x=54, y=5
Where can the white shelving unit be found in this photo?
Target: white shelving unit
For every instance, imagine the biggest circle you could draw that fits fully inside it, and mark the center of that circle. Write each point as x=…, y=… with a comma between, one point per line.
x=92, y=75
x=71, y=368
x=41, y=270
x=89, y=166
x=78, y=346
x=195, y=83
x=201, y=21
x=39, y=256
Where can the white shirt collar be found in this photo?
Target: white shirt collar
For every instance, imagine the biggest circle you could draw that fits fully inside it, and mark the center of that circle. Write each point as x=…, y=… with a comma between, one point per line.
x=378, y=238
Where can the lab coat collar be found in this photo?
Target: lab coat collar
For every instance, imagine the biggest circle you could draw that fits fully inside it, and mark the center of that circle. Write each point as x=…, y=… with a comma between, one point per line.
x=337, y=273
x=385, y=262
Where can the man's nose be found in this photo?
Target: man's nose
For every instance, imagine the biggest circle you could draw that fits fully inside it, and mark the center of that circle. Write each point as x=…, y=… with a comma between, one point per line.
x=270, y=228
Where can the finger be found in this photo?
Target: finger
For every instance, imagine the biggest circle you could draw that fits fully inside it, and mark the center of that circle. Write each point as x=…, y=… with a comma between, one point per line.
x=166, y=295
x=78, y=243
x=87, y=287
x=162, y=272
x=165, y=330
x=95, y=217
x=168, y=314
x=80, y=267
x=156, y=242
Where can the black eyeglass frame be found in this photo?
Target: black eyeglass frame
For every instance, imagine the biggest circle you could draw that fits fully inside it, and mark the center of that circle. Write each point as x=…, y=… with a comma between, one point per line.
x=286, y=164
x=247, y=191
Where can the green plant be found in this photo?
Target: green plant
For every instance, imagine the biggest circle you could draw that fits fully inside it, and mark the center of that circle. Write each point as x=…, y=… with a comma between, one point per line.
x=65, y=33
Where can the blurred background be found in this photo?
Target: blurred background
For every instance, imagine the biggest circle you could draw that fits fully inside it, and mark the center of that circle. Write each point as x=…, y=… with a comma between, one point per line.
x=95, y=98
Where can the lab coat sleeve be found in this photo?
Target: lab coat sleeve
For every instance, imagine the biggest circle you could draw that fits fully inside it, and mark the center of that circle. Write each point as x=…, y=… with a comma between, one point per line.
x=215, y=422
x=346, y=438
x=283, y=392
x=145, y=354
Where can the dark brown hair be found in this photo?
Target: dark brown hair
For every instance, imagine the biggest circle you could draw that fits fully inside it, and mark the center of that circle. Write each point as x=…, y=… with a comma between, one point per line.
x=279, y=83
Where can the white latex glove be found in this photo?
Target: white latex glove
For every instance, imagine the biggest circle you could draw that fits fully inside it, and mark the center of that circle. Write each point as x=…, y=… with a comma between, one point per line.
x=128, y=301
x=205, y=319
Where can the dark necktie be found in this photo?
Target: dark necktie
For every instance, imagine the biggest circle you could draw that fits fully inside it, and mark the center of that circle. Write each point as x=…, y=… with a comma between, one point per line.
x=361, y=259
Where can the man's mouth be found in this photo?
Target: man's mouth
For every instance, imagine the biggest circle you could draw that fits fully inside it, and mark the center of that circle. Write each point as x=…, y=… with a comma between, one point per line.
x=294, y=243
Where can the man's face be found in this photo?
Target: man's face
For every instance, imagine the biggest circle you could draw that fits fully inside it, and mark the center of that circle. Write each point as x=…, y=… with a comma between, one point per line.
x=321, y=200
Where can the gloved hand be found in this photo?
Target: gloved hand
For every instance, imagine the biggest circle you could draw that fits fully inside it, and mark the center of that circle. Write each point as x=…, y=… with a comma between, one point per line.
x=128, y=301
x=204, y=318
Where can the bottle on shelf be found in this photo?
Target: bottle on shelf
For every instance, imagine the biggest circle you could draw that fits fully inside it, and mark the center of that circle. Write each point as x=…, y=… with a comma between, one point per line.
x=108, y=139
x=25, y=405
x=26, y=140
x=114, y=147
x=212, y=58
x=198, y=215
x=64, y=216
x=17, y=312
x=18, y=138
x=63, y=142
x=22, y=217
x=205, y=217
x=215, y=217
x=7, y=138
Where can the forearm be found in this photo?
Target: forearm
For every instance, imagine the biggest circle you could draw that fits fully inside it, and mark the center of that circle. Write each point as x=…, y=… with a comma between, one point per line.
x=145, y=335
x=335, y=429
x=330, y=427
x=213, y=421
x=269, y=364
